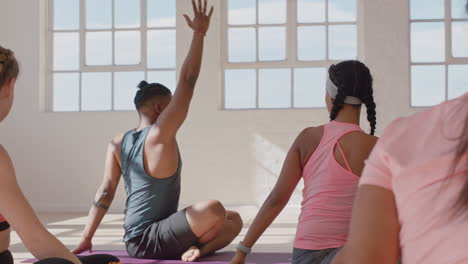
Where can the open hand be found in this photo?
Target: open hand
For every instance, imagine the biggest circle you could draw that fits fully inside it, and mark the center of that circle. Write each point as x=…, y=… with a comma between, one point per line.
x=201, y=21
x=85, y=245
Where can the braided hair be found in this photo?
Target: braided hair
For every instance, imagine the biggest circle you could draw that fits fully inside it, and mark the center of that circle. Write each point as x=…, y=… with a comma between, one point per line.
x=353, y=78
x=9, y=68
x=148, y=91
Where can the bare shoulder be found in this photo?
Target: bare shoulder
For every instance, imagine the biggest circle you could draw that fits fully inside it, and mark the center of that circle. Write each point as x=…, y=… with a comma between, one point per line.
x=307, y=141
x=115, y=145
x=6, y=165
x=311, y=134
x=5, y=160
x=116, y=142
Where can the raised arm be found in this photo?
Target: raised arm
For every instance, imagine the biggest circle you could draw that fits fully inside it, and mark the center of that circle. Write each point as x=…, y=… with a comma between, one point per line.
x=104, y=196
x=289, y=178
x=176, y=112
x=18, y=212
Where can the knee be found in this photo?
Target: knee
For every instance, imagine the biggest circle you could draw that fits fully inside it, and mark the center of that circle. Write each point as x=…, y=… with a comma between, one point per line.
x=216, y=210
x=237, y=221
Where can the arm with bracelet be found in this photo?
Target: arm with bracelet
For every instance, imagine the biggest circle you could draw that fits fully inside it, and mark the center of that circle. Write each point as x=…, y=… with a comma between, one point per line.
x=289, y=178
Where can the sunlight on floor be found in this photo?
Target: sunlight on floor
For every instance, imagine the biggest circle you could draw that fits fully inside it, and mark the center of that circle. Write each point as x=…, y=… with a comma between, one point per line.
x=68, y=227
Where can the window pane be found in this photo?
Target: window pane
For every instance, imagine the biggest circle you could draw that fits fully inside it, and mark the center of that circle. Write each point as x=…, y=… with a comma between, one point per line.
x=96, y=91
x=98, y=48
x=342, y=42
x=310, y=11
x=161, y=13
x=242, y=45
x=428, y=42
x=424, y=9
x=127, y=47
x=274, y=89
x=272, y=11
x=98, y=14
x=459, y=9
x=125, y=88
x=66, y=51
x=242, y=12
x=66, y=92
x=161, y=49
x=166, y=78
x=127, y=14
x=460, y=39
x=427, y=85
x=272, y=43
x=458, y=80
x=66, y=14
x=240, y=89
x=309, y=87
x=311, y=43
x=342, y=10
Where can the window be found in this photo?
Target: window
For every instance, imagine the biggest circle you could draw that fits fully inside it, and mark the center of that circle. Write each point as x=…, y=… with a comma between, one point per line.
x=439, y=51
x=102, y=49
x=277, y=51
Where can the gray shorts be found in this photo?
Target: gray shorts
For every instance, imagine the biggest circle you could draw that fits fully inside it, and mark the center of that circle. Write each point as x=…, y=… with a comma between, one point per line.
x=166, y=239
x=304, y=256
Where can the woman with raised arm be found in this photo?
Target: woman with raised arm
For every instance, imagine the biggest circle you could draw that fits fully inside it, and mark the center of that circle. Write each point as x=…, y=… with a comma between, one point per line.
x=330, y=159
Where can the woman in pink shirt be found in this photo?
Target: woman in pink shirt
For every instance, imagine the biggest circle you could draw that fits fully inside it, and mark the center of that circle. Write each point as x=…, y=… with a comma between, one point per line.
x=330, y=159
x=413, y=197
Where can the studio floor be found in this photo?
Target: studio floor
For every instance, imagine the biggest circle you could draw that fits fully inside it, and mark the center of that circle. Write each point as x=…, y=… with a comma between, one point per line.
x=68, y=227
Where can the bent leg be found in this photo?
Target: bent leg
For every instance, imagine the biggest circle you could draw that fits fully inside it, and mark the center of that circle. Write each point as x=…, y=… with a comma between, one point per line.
x=206, y=219
x=215, y=227
x=231, y=228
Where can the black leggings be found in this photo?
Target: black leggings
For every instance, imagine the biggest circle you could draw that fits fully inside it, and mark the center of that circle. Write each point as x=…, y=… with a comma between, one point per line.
x=6, y=257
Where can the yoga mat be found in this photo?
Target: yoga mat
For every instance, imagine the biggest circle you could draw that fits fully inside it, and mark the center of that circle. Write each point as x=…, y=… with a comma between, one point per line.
x=218, y=258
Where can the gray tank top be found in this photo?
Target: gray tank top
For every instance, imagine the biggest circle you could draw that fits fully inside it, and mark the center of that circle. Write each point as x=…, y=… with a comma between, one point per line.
x=149, y=199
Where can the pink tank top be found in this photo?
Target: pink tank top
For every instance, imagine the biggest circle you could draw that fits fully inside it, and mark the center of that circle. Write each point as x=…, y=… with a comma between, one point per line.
x=328, y=194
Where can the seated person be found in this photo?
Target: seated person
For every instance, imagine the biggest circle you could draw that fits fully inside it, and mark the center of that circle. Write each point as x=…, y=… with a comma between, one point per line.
x=412, y=201
x=149, y=160
x=329, y=159
x=13, y=205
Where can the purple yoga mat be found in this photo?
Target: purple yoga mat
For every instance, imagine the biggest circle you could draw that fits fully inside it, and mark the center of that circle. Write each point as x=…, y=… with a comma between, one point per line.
x=218, y=258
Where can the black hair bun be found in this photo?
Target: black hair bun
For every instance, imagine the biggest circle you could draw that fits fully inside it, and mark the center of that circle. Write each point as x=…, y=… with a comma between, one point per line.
x=143, y=84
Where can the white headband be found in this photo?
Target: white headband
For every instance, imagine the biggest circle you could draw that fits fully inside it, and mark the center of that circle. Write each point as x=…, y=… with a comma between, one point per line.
x=332, y=90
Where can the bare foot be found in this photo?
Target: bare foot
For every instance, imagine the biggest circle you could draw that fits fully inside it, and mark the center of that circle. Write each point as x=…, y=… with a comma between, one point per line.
x=192, y=254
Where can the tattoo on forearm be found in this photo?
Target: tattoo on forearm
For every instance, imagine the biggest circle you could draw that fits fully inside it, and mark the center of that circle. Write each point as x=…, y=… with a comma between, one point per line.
x=99, y=202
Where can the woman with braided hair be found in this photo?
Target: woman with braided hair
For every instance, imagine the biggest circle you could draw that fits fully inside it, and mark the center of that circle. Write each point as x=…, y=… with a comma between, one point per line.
x=330, y=159
x=13, y=205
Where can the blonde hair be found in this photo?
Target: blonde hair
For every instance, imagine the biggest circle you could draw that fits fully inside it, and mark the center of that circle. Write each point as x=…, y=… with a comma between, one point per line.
x=9, y=68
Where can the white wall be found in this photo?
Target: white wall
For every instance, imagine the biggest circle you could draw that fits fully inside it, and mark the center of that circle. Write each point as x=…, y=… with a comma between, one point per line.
x=233, y=156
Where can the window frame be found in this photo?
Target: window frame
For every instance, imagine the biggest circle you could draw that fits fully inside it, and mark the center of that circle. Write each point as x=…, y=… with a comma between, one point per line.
x=292, y=61
x=449, y=58
x=113, y=68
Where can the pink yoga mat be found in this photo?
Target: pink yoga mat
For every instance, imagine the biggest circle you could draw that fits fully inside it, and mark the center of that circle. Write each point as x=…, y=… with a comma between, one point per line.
x=218, y=258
